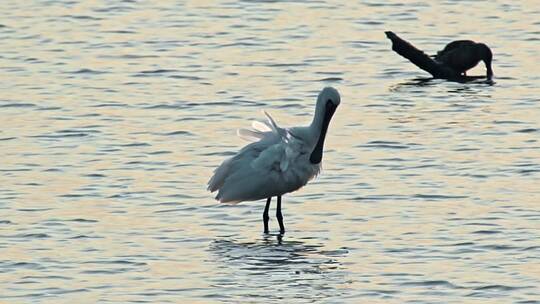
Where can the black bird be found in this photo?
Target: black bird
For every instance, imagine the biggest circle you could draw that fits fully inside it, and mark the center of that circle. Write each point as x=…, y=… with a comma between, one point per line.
x=462, y=55
x=450, y=63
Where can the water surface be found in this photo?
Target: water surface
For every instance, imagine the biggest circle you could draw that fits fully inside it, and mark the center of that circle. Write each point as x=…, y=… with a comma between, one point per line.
x=115, y=114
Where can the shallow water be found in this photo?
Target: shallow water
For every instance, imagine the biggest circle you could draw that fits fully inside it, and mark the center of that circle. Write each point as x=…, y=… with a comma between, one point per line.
x=115, y=114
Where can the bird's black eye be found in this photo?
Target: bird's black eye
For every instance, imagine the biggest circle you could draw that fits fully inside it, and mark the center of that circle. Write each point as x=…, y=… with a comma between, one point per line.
x=329, y=100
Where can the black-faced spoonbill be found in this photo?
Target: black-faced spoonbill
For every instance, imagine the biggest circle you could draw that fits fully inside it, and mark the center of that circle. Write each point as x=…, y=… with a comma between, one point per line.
x=278, y=161
x=452, y=62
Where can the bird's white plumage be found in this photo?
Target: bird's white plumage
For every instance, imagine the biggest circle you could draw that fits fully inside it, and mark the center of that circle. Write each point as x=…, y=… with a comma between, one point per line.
x=277, y=161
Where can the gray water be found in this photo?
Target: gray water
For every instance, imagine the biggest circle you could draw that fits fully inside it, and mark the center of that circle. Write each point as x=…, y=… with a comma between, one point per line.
x=115, y=113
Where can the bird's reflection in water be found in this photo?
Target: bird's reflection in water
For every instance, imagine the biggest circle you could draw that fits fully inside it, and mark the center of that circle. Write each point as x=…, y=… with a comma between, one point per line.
x=423, y=82
x=471, y=91
x=269, y=264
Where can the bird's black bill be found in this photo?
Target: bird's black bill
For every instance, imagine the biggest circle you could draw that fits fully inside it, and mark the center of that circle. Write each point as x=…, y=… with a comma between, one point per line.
x=316, y=155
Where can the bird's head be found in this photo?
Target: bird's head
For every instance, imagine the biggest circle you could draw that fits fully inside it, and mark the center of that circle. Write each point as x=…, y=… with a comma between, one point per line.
x=487, y=57
x=327, y=95
x=327, y=103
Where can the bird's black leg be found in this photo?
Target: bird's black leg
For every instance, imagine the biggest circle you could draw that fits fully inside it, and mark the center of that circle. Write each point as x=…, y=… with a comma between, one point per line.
x=279, y=216
x=265, y=215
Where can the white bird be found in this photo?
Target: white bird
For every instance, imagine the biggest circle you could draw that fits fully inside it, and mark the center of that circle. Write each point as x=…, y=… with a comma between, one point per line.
x=278, y=161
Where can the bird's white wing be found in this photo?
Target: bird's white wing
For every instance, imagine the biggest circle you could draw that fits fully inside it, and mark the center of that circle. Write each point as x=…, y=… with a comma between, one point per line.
x=277, y=130
x=250, y=135
x=262, y=129
x=282, y=153
x=261, y=126
x=264, y=162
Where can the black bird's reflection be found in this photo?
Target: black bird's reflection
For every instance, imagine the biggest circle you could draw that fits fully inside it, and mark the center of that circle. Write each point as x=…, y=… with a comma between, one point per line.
x=427, y=82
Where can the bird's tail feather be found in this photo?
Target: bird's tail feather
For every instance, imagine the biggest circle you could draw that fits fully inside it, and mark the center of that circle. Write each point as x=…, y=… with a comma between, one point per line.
x=217, y=180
